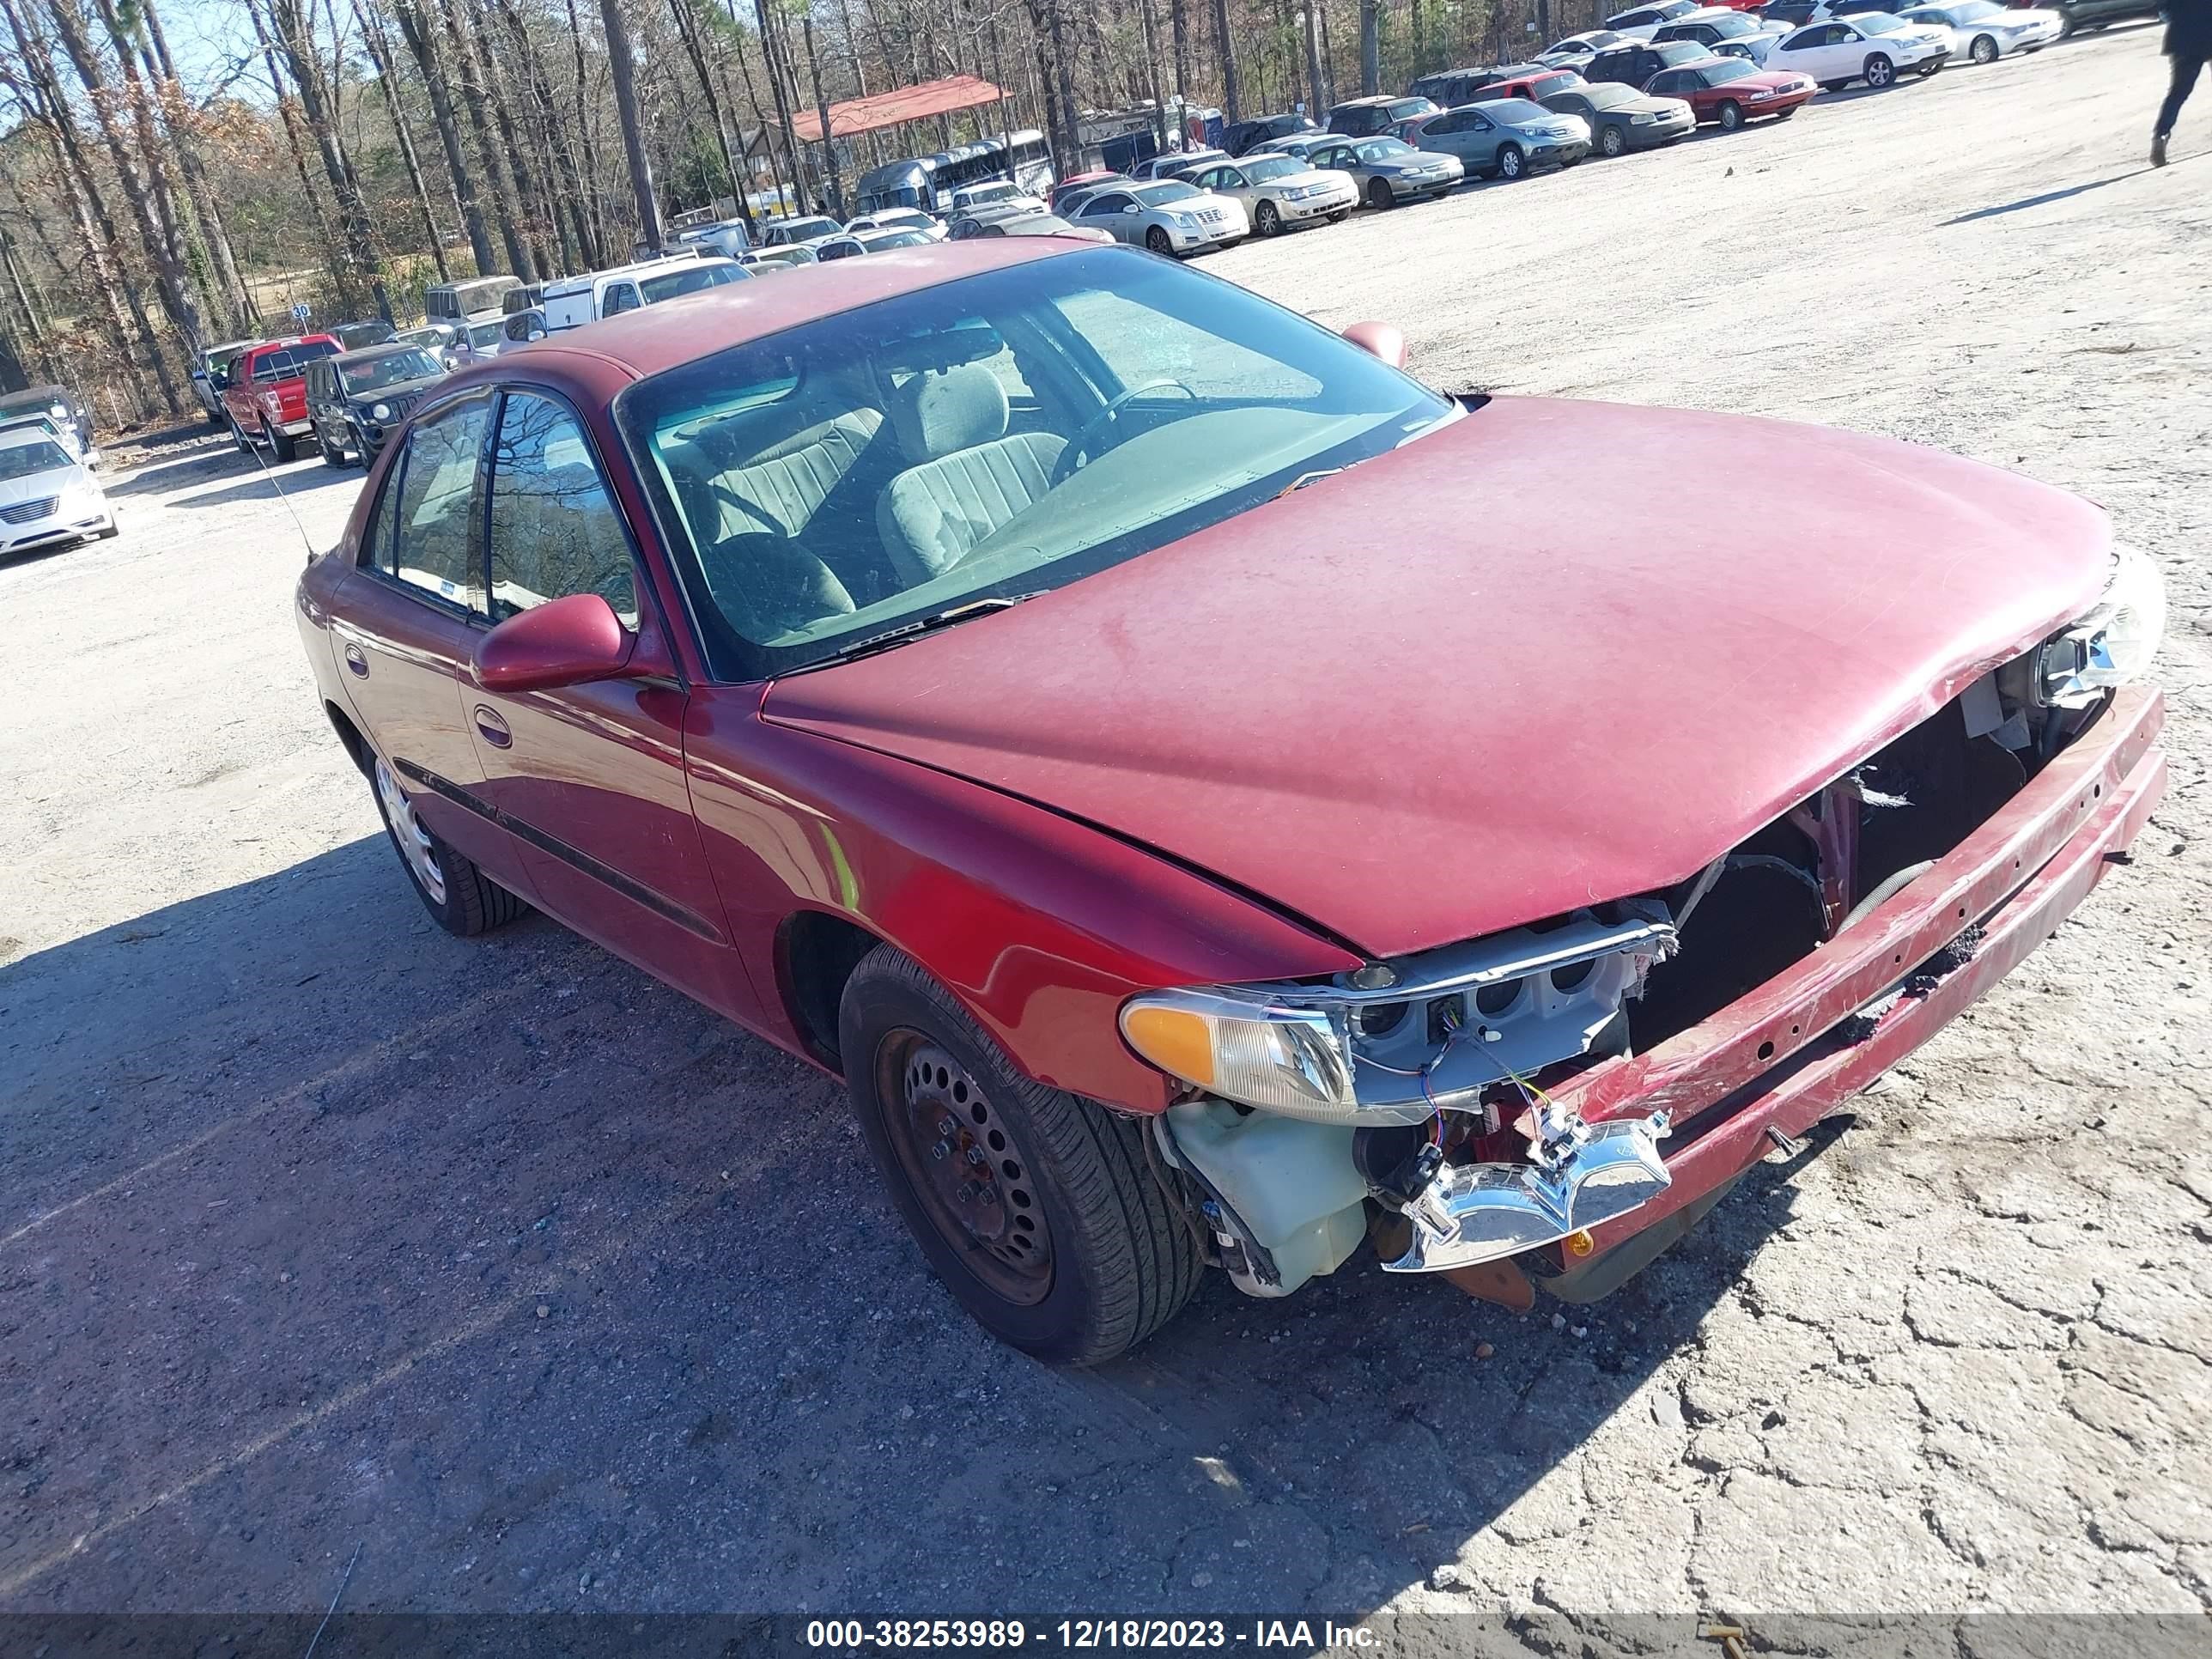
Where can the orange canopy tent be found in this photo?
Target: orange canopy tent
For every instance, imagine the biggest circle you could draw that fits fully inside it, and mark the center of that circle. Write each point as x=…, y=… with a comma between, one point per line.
x=897, y=108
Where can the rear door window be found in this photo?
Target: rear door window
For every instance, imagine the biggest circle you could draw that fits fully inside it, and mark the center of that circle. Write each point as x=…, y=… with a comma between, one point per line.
x=435, y=538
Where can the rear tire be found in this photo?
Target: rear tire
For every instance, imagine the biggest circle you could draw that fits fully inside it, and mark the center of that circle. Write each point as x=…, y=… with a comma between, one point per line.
x=281, y=444
x=237, y=438
x=1105, y=1259
x=330, y=457
x=460, y=899
x=1511, y=164
x=1731, y=115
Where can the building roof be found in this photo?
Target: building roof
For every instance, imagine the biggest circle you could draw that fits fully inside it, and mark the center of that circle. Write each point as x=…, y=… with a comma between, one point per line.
x=896, y=108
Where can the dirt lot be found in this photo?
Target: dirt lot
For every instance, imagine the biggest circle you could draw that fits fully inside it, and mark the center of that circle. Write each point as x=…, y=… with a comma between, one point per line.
x=319, y=1228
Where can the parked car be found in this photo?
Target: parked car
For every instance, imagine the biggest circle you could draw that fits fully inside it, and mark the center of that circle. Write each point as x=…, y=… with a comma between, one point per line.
x=867, y=241
x=1635, y=65
x=1506, y=137
x=531, y=296
x=842, y=777
x=1621, y=119
x=1726, y=92
x=357, y=399
x=728, y=237
x=1578, y=50
x=352, y=336
x=1536, y=85
x=1076, y=183
x=1982, y=30
x=48, y=497
x=930, y=229
x=1726, y=33
x=210, y=369
x=990, y=191
x=761, y=261
x=1389, y=171
x=454, y=302
x=1178, y=163
x=1790, y=14
x=1240, y=136
x=787, y=232
x=1300, y=144
x=1871, y=48
x=1170, y=216
x=59, y=401
x=1640, y=22
x=266, y=401
x=575, y=300
x=46, y=424
x=520, y=328
x=1280, y=192
x=968, y=226
x=1450, y=88
x=1363, y=117
x=2096, y=13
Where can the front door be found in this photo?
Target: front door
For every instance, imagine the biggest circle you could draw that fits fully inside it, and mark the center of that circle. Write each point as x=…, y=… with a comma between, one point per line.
x=590, y=778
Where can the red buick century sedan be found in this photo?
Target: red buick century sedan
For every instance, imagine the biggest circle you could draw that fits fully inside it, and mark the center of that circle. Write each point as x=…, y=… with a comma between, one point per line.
x=1213, y=799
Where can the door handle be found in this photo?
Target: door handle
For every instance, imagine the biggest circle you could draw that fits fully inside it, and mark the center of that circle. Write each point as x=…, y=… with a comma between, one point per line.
x=355, y=661
x=492, y=728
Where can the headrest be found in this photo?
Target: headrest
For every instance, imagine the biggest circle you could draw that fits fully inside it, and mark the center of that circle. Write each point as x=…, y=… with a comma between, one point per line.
x=939, y=413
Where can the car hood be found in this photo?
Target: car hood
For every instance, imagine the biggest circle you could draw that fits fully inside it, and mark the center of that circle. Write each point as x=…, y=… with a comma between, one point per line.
x=396, y=389
x=1300, y=180
x=1437, y=695
x=37, y=486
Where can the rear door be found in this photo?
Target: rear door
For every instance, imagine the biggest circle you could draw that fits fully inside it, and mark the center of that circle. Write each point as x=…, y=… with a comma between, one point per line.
x=589, y=779
x=407, y=624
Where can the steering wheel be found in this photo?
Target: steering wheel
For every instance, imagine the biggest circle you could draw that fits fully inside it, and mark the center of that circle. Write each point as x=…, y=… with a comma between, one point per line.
x=1094, y=428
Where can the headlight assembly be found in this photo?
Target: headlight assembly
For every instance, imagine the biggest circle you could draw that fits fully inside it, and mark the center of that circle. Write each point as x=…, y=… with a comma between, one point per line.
x=1247, y=1047
x=2111, y=645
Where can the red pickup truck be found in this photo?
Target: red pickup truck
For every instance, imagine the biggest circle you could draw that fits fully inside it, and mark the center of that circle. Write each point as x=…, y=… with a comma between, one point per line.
x=264, y=395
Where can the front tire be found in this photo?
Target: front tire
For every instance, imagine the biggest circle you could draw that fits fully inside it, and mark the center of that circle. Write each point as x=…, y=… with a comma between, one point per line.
x=1038, y=1209
x=1879, y=72
x=460, y=899
x=1160, y=242
x=1268, y=219
x=1611, y=141
x=1984, y=51
x=1511, y=164
x=1379, y=197
x=1731, y=115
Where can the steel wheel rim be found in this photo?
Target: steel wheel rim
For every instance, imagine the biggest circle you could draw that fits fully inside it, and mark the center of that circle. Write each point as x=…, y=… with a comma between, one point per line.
x=974, y=1180
x=416, y=845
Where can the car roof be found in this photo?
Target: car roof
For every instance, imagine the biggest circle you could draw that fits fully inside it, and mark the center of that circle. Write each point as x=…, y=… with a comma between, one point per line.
x=652, y=338
x=370, y=353
x=22, y=437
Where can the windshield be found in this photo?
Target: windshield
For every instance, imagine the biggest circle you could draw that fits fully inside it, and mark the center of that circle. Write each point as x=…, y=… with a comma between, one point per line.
x=1167, y=194
x=1972, y=12
x=1875, y=22
x=22, y=460
x=1608, y=94
x=380, y=372
x=1730, y=26
x=1406, y=108
x=919, y=220
x=1383, y=149
x=876, y=244
x=1113, y=403
x=1273, y=167
x=802, y=229
x=1720, y=73
x=1514, y=110
x=998, y=192
x=688, y=280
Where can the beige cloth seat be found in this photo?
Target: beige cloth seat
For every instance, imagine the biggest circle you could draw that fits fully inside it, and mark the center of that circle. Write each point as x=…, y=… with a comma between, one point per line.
x=968, y=476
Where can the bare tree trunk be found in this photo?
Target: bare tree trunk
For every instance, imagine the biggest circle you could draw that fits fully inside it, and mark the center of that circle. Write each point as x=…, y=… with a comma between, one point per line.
x=180, y=118
x=289, y=115
x=1314, y=96
x=295, y=39
x=822, y=113
x=623, y=69
x=762, y=124
x=533, y=200
x=597, y=250
x=1225, y=49
x=499, y=184
x=415, y=30
x=1179, y=32
x=574, y=232
x=687, y=28
x=782, y=107
x=378, y=46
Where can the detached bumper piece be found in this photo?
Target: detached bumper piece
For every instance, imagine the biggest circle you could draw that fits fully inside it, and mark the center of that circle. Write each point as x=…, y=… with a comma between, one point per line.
x=1477, y=1212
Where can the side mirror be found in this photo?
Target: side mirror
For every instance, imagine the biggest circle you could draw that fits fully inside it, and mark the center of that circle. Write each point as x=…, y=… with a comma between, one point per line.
x=1385, y=342
x=565, y=642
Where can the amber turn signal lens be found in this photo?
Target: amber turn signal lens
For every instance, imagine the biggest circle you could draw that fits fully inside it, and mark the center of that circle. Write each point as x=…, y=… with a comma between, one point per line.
x=1581, y=1244
x=1179, y=1042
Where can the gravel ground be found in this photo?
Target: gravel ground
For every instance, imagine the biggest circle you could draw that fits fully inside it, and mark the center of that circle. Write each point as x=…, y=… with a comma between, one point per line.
x=320, y=1229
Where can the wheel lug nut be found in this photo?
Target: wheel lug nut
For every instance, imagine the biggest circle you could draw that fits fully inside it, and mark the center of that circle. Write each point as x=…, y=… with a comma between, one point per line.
x=945, y=1126
x=940, y=1150
x=975, y=1155
x=967, y=1192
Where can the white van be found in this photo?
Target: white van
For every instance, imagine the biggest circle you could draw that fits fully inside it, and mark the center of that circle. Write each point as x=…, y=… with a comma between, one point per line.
x=579, y=299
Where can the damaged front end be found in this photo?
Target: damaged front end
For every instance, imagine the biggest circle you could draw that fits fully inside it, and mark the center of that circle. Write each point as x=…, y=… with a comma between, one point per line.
x=1546, y=1093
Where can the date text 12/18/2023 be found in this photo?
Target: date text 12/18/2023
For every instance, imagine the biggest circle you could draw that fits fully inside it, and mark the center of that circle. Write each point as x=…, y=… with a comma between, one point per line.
x=1076, y=1635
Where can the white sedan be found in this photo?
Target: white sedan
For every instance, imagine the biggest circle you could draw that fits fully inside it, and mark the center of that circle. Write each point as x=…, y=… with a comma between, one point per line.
x=48, y=497
x=1985, y=31
x=1868, y=46
x=1279, y=192
x=1641, y=21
